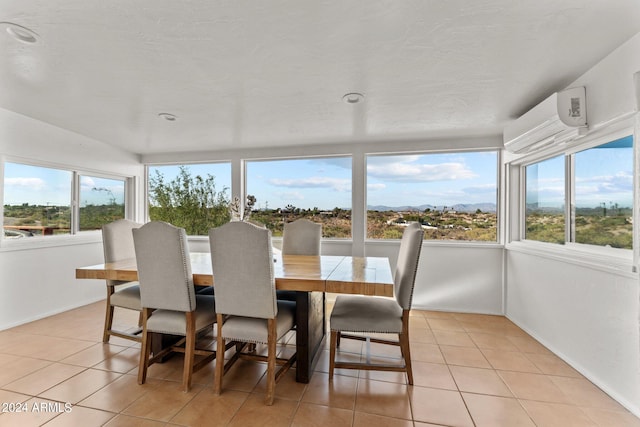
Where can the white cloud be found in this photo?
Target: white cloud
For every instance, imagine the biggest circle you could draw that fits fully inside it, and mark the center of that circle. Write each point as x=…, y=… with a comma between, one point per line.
x=35, y=184
x=374, y=187
x=288, y=196
x=337, y=184
x=404, y=169
x=87, y=181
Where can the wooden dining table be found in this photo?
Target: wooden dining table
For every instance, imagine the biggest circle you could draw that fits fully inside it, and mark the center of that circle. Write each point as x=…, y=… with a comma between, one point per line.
x=310, y=276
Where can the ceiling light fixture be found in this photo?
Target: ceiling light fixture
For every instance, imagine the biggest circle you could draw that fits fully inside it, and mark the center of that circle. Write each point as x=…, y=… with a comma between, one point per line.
x=353, y=98
x=20, y=33
x=168, y=117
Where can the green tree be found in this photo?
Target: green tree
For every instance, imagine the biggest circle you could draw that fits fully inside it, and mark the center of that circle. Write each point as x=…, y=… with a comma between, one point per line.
x=190, y=202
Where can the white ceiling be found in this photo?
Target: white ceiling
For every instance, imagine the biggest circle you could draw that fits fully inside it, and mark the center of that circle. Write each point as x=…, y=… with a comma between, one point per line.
x=264, y=73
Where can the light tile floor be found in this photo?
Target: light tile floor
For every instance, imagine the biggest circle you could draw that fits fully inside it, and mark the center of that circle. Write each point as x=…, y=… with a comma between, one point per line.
x=469, y=369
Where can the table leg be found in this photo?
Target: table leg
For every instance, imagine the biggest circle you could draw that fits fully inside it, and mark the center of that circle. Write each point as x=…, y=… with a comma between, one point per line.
x=310, y=332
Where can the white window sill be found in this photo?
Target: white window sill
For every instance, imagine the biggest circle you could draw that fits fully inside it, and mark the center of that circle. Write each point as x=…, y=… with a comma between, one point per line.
x=39, y=242
x=619, y=261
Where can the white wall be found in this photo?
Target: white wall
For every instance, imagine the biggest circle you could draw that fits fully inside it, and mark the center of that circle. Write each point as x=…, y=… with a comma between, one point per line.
x=586, y=314
x=452, y=277
x=38, y=279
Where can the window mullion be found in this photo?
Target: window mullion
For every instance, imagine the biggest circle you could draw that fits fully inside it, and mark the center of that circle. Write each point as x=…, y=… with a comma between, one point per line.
x=75, y=205
x=570, y=204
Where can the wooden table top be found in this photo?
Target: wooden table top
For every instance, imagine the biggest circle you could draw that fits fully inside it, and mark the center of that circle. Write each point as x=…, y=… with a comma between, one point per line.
x=337, y=274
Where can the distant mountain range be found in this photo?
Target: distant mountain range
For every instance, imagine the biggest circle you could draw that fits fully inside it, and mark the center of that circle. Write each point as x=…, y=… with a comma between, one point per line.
x=461, y=207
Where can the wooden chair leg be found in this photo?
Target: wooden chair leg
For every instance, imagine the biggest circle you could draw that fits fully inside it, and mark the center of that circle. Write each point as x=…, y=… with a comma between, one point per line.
x=108, y=318
x=332, y=353
x=217, y=383
x=406, y=354
x=271, y=361
x=189, y=351
x=108, y=322
x=145, y=349
x=405, y=347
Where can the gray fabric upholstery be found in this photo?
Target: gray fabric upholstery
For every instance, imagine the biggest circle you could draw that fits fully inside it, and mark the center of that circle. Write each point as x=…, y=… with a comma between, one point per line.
x=117, y=242
x=301, y=237
x=164, y=268
x=352, y=313
x=407, y=265
x=174, y=322
x=242, y=260
x=355, y=313
x=254, y=330
x=128, y=297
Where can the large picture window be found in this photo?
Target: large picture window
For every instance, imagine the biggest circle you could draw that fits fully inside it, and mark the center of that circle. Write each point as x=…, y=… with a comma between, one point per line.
x=193, y=196
x=453, y=195
x=38, y=201
x=318, y=189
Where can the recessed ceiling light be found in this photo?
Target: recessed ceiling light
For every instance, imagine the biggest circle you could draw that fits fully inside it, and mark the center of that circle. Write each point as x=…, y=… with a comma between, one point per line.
x=168, y=117
x=20, y=33
x=353, y=98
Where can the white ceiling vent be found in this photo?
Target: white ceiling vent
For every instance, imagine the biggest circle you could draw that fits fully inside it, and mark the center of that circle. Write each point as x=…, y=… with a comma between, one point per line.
x=560, y=118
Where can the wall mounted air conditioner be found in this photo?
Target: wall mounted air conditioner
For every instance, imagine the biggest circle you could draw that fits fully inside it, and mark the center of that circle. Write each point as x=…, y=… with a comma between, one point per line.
x=558, y=119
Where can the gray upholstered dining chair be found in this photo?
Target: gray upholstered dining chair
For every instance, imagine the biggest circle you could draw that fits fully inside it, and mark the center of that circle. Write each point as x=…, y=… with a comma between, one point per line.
x=300, y=237
x=376, y=315
x=169, y=302
x=246, y=305
x=117, y=242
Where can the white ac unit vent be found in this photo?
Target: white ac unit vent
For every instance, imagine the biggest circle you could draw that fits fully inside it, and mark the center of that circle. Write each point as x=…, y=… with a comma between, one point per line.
x=560, y=118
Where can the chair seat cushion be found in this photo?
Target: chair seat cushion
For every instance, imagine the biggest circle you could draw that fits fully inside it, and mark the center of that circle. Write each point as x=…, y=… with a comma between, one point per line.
x=175, y=322
x=366, y=314
x=254, y=330
x=128, y=297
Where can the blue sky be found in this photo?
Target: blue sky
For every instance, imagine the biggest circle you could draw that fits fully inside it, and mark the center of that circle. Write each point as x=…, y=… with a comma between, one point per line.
x=45, y=186
x=602, y=176
x=35, y=185
x=434, y=179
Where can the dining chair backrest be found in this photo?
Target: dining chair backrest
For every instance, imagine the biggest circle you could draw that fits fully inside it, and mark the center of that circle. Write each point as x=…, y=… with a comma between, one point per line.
x=407, y=266
x=242, y=261
x=301, y=237
x=117, y=241
x=164, y=267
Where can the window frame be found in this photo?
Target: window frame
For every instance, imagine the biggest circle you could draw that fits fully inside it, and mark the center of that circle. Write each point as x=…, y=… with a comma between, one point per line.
x=522, y=223
x=350, y=156
x=600, y=257
x=445, y=242
x=145, y=190
x=75, y=235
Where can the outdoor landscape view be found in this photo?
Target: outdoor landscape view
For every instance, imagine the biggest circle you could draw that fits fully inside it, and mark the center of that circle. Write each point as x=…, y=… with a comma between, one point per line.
x=452, y=195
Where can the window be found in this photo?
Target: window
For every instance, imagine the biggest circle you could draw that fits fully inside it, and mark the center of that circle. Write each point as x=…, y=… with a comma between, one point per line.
x=318, y=189
x=601, y=196
x=102, y=200
x=545, y=201
x=453, y=195
x=38, y=201
x=603, y=201
x=194, y=197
